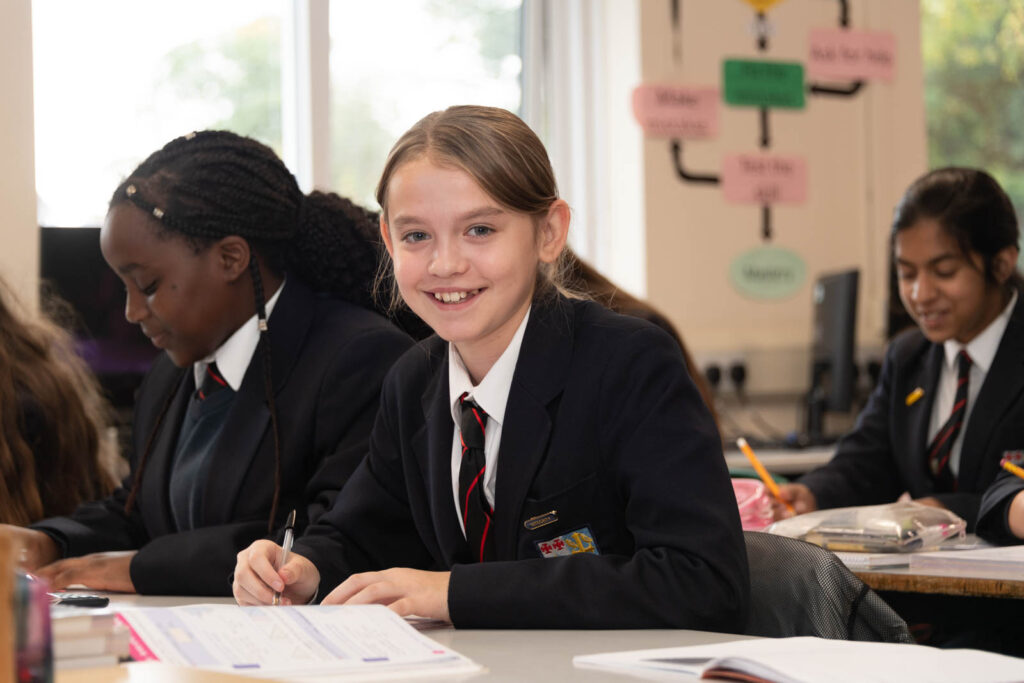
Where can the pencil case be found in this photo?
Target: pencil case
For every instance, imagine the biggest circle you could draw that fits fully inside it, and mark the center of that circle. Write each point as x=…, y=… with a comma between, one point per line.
x=892, y=528
x=754, y=503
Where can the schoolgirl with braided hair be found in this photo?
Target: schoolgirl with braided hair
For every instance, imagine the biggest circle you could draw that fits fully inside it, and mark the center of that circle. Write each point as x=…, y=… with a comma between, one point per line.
x=262, y=403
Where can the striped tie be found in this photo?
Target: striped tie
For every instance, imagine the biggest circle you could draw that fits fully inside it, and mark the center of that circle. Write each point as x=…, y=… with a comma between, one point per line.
x=942, y=445
x=476, y=511
x=212, y=382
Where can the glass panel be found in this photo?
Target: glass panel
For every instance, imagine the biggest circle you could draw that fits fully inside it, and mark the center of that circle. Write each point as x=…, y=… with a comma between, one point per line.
x=394, y=62
x=116, y=79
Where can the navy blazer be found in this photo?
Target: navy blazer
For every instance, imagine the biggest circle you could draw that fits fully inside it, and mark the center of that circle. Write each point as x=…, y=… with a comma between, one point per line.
x=329, y=359
x=604, y=433
x=885, y=454
x=993, y=515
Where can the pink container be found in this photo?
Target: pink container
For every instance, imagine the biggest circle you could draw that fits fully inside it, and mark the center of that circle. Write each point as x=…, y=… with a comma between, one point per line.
x=754, y=502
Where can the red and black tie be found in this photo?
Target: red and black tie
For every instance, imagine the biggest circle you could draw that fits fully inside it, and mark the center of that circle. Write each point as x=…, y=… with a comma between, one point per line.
x=476, y=511
x=942, y=445
x=213, y=382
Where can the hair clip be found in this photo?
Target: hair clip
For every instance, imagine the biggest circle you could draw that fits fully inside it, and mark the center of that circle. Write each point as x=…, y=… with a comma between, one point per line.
x=158, y=212
x=130, y=190
x=189, y=136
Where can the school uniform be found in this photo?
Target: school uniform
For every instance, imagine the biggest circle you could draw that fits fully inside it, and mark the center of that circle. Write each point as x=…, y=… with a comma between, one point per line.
x=886, y=453
x=329, y=359
x=993, y=513
x=612, y=502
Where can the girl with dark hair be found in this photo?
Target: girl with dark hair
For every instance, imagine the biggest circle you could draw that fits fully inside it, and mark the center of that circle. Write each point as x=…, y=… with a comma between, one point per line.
x=950, y=401
x=263, y=400
x=541, y=461
x=52, y=421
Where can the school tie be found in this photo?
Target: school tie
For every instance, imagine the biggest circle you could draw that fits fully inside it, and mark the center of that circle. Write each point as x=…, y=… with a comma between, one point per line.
x=942, y=445
x=476, y=511
x=213, y=382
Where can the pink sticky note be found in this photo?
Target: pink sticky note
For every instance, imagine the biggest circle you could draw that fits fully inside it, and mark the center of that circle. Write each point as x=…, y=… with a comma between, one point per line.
x=764, y=179
x=673, y=111
x=843, y=54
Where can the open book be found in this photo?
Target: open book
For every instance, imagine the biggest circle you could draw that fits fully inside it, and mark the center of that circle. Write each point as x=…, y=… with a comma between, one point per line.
x=810, y=660
x=335, y=640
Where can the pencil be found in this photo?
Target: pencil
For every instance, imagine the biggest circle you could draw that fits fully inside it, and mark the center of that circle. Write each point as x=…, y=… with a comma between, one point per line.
x=773, y=488
x=1010, y=467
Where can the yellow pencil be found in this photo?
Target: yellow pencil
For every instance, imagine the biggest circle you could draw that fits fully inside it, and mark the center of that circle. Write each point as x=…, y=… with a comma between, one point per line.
x=1010, y=467
x=773, y=488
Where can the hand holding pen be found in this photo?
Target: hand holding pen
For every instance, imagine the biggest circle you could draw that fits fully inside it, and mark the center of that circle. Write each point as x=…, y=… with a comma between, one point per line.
x=769, y=483
x=286, y=548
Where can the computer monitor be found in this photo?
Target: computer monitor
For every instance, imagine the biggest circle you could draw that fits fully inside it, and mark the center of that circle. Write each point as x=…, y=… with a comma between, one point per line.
x=833, y=368
x=72, y=266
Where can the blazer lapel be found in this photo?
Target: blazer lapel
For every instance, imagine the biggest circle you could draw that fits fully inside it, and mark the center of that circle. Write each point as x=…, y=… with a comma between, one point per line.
x=249, y=417
x=1004, y=381
x=432, y=445
x=539, y=378
x=912, y=425
x=153, y=493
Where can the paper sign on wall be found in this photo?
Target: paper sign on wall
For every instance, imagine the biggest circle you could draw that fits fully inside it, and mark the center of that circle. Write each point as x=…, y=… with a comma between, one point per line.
x=763, y=83
x=768, y=273
x=676, y=111
x=843, y=54
x=764, y=179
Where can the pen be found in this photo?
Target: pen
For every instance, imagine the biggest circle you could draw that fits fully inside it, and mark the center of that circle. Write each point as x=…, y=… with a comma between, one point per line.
x=78, y=600
x=286, y=547
x=1010, y=467
x=773, y=488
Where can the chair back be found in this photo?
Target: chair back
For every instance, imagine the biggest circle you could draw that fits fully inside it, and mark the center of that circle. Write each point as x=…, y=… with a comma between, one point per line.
x=800, y=589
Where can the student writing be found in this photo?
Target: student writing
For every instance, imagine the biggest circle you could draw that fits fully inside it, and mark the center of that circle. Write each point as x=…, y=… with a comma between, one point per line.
x=541, y=462
x=950, y=400
x=265, y=395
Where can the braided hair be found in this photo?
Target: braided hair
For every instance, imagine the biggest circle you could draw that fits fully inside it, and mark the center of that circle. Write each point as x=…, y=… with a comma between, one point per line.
x=209, y=185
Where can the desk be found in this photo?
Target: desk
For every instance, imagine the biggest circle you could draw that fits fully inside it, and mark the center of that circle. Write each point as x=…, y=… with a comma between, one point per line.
x=506, y=655
x=784, y=460
x=983, y=583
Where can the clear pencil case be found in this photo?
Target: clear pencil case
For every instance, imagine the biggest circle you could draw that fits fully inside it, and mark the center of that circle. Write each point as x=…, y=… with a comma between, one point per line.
x=891, y=528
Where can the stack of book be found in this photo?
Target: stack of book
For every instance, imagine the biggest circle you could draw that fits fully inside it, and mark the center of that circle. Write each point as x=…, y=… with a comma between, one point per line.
x=87, y=638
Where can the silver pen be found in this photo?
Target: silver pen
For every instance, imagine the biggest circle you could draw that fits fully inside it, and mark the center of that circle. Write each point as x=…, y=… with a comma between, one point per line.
x=286, y=547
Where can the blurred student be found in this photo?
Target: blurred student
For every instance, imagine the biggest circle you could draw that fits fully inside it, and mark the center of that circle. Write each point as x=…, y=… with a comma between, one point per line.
x=264, y=398
x=950, y=400
x=54, y=449
x=542, y=461
x=1001, y=519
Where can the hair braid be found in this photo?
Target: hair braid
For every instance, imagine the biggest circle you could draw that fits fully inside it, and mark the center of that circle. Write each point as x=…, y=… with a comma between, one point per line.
x=137, y=480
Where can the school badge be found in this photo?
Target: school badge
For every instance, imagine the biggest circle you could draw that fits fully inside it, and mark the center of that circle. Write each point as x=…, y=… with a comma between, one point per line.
x=572, y=543
x=1014, y=457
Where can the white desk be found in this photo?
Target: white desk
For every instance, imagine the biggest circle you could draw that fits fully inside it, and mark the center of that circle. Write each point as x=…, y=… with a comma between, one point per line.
x=534, y=656
x=784, y=461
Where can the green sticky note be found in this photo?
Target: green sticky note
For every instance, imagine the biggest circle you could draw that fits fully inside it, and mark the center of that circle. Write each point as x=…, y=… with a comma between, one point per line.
x=759, y=83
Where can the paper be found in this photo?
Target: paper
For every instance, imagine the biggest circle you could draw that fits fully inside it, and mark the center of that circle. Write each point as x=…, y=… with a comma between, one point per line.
x=332, y=640
x=809, y=660
x=992, y=558
x=873, y=560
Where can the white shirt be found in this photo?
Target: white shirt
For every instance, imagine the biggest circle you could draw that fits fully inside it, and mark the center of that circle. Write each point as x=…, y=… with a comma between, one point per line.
x=233, y=356
x=491, y=395
x=982, y=350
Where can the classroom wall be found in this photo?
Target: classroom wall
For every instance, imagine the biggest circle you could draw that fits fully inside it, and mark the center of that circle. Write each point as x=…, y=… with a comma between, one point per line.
x=19, y=254
x=861, y=152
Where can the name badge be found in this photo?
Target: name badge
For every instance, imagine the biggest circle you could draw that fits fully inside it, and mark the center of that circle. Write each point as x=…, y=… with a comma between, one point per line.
x=541, y=520
x=572, y=543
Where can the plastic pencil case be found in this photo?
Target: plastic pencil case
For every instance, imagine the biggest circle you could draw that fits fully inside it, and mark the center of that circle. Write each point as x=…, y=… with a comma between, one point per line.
x=892, y=528
x=754, y=503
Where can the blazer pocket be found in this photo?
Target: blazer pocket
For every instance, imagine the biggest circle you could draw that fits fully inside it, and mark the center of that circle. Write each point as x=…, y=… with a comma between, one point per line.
x=572, y=509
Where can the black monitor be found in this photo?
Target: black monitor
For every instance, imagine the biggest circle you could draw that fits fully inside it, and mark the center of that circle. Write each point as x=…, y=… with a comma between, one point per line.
x=833, y=368
x=72, y=266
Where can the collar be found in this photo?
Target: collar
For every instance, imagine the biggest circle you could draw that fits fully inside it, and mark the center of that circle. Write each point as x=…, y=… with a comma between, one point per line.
x=492, y=392
x=234, y=355
x=982, y=349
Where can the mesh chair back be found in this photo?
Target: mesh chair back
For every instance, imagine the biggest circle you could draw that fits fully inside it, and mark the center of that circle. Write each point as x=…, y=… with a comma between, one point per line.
x=800, y=589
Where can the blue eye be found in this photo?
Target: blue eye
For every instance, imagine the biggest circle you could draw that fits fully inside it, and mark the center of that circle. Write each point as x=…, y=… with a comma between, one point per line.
x=480, y=231
x=415, y=236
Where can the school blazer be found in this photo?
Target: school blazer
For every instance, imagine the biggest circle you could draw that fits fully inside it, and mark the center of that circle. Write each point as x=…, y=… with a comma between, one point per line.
x=604, y=435
x=993, y=522
x=885, y=454
x=329, y=359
